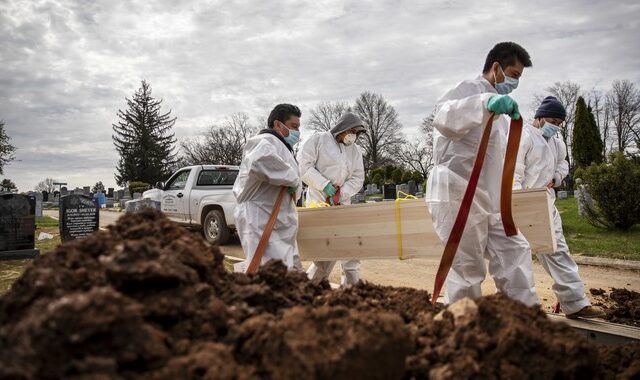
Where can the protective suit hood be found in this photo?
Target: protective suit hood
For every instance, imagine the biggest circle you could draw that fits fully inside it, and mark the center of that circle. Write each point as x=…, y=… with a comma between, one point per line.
x=346, y=122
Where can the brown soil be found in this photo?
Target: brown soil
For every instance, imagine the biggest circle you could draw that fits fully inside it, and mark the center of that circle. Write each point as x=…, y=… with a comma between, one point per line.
x=147, y=299
x=621, y=305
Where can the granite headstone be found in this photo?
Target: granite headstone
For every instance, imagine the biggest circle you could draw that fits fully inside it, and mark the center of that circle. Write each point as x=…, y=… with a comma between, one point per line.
x=17, y=226
x=79, y=216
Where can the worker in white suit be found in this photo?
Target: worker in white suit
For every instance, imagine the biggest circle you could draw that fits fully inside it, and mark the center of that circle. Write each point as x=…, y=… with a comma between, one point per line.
x=332, y=167
x=541, y=163
x=268, y=164
x=459, y=121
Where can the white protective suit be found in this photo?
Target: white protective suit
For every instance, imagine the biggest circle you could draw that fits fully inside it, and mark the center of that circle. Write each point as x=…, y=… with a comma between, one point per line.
x=323, y=160
x=267, y=164
x=461, y=115
x=539, y=162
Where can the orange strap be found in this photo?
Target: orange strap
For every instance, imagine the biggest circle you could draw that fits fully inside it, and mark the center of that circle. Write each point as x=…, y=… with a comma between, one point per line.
x=505, y=198
x=266, y=234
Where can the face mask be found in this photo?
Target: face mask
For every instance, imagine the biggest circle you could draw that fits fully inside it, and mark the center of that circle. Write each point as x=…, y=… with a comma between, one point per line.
x=509, y=84
x=293, y=137
x=549, y=130
x=349, y=139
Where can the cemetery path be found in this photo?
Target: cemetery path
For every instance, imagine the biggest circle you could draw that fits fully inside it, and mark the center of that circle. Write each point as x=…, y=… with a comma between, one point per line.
x=420, y=273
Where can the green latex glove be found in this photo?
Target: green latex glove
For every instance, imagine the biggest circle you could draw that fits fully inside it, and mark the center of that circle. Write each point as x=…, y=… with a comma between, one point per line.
x=504, y=104
x=292, y=189
x=329, y=190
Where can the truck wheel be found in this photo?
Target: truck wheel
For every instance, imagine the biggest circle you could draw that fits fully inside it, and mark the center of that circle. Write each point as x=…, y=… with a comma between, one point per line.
x=215, y=228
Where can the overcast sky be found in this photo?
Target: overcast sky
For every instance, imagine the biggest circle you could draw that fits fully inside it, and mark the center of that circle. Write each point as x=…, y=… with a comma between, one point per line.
x=67, y=66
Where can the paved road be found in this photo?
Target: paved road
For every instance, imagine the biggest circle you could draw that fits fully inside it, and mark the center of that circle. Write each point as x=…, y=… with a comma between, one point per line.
x=420, y=273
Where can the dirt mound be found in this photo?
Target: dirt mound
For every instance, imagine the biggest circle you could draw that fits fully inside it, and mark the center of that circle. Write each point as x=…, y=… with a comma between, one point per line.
x=497, y=337
x=621, y=305
x=148, y=299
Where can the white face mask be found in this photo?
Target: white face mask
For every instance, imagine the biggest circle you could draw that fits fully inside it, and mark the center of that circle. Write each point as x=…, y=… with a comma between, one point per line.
x=349, y=139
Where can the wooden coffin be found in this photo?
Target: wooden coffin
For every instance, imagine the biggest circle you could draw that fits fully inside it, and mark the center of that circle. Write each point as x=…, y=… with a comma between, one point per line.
x=370, y=230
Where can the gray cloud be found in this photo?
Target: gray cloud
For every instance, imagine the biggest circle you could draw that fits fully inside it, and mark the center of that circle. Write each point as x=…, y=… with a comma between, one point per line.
x=68, y=65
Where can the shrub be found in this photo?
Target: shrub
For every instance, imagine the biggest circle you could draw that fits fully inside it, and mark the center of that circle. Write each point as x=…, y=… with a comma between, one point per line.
x=614, y=187
x=138, y=187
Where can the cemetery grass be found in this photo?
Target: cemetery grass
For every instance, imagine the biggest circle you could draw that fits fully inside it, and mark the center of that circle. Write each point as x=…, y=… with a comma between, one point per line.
x=587, y=240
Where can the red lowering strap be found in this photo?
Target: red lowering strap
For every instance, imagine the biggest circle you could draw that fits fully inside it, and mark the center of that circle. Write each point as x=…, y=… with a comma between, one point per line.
x=266, y=234
x=510, y=157
x=463, y=213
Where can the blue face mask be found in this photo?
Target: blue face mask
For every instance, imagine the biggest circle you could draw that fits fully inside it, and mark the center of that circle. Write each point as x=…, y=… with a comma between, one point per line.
x=549, y=130
x=293, y=137
x=505, y=87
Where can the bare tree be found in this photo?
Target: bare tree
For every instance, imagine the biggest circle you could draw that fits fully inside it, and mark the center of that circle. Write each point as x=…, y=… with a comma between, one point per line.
x=384, y=131
x=46, y=185
x=7, y=150
x=326, y=115
x=567, y=93
x=417, y=155
x=221, y=144
x=623, y=104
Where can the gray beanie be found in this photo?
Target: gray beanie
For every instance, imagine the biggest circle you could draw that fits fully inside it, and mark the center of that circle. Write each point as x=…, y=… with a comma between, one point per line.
x=346, y=122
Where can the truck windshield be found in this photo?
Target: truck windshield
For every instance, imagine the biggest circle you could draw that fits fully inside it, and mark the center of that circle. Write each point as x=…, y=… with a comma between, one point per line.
x=217, y=177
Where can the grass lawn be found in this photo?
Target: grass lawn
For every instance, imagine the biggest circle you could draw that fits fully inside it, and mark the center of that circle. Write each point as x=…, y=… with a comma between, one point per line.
x=587, y=240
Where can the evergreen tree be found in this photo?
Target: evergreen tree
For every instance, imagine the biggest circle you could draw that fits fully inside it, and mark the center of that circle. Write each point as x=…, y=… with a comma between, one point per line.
x=586, y=141
x=144, y=140
x=8, y=185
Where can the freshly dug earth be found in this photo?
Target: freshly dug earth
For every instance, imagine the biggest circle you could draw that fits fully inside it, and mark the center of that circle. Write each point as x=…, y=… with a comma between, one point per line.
x=148, y=299
x=621, y=305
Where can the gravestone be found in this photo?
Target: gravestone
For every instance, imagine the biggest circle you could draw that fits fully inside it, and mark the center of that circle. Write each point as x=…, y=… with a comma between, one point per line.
x=86, y=190
x=79, y=216
x=137, y=195
x=17, y=227
x=64, y=191
x=45, y=196
x=402, y=188
x=562, y=194
x=110, y=192
x=389, y=191
x=412, y=188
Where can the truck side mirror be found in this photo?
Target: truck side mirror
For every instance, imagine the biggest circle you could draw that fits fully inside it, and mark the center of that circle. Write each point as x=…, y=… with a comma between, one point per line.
x=160, y=185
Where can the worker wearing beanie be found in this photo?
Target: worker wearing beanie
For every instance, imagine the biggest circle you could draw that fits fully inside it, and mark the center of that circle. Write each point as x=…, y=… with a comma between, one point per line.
x=541, y=163
x=331, y=165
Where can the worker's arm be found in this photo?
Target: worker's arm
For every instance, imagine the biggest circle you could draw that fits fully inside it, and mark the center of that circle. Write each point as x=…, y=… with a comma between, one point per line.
x=455, y=118
x=307, y=157
x=356, y=179
x=266, y=165
x=521, y=162
x=562, y=166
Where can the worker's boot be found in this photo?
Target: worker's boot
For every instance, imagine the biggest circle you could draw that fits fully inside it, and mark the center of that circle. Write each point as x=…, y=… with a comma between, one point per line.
x=587, y=312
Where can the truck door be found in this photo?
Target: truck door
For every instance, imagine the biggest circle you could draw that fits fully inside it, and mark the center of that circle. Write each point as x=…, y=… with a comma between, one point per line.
x=175, y=200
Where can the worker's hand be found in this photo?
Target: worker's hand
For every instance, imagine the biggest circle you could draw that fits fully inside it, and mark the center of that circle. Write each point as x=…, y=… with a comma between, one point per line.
x=504, y=104
x=329, y=190
x=292, y=189
x=550, y=185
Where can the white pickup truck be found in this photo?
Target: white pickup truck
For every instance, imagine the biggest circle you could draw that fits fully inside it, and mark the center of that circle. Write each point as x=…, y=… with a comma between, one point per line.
x=200, y=196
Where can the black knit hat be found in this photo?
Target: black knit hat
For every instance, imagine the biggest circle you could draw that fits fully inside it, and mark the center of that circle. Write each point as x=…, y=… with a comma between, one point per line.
x=551, y=107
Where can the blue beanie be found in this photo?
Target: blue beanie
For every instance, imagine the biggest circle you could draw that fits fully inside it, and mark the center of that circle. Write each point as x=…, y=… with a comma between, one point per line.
x=551, y=107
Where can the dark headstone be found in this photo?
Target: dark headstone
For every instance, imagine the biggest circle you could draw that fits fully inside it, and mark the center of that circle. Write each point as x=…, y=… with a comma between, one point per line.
x=110, y=192
x=17, y=226
x=79, y=216
x=45, y=196
x=86, y=190
x=389, y=191
x=412, y=188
